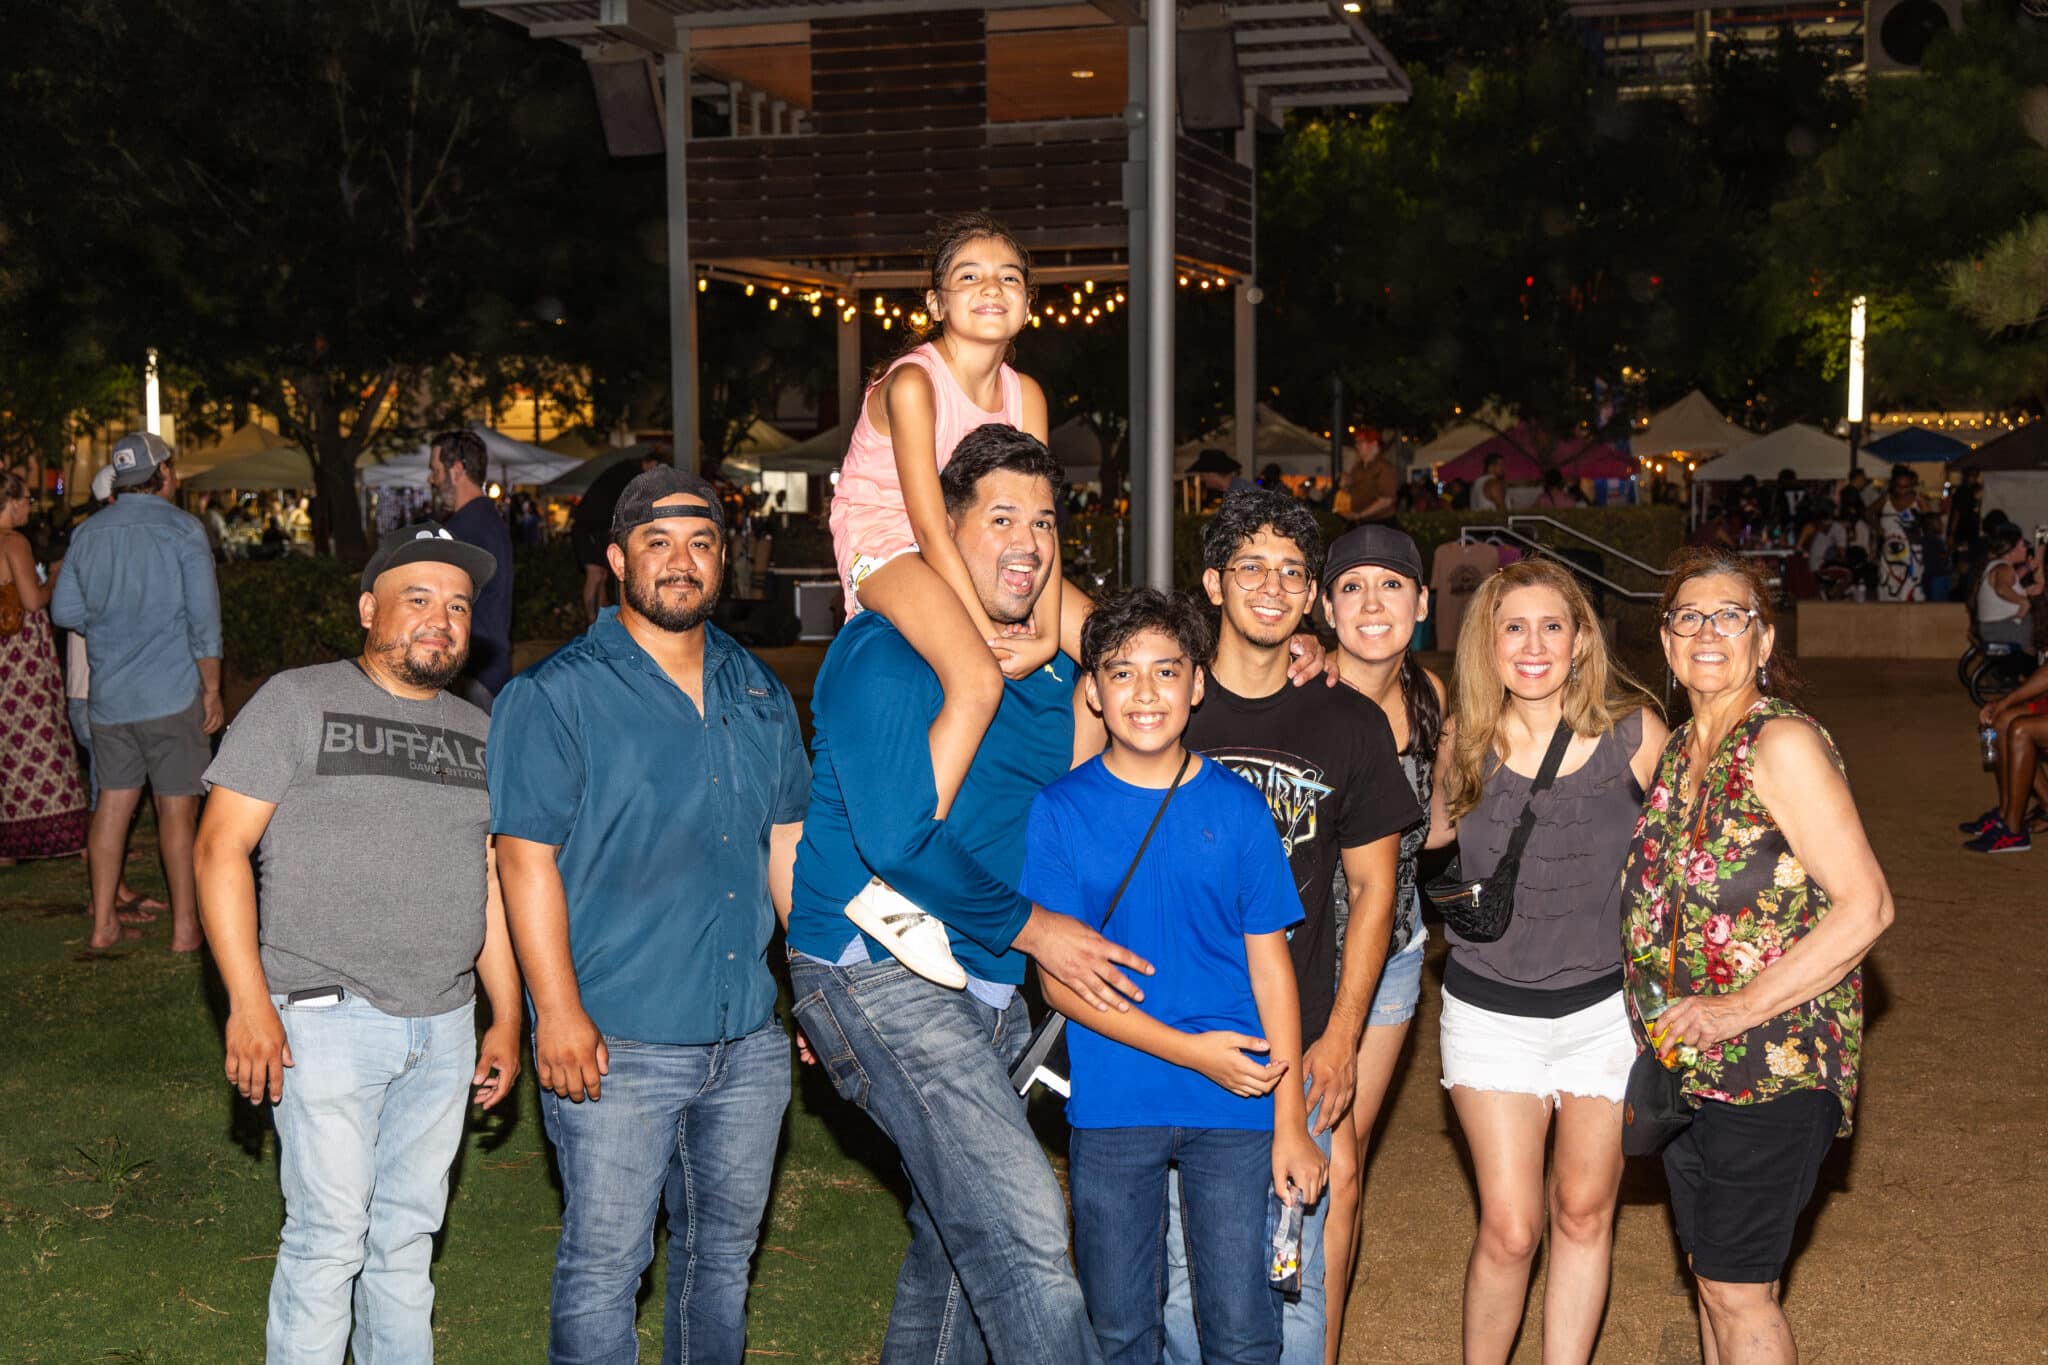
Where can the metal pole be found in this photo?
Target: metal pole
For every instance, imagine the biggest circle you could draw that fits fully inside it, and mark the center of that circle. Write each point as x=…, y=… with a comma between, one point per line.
x=682, y=284
x=1245, y=341
x=152, y=403
x=849, y=367
x=1337, y=428
x=1160, y=22
x=1858, y=315
x=1138, y=487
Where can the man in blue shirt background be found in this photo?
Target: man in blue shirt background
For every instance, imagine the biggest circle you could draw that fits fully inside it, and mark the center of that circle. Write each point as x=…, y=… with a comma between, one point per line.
x=456, y=470
x=138, y=584
x=647, y=789
x=928, y=1064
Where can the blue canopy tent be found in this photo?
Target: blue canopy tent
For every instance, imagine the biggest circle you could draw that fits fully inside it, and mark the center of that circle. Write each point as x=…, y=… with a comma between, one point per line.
x=1918, y=445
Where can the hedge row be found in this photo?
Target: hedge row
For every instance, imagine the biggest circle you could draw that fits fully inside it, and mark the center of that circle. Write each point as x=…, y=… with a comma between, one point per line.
x=298, y=610
x=282, y=613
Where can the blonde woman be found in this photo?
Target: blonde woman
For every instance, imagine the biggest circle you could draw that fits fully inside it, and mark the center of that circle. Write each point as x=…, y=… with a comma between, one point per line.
x=1535, y=1036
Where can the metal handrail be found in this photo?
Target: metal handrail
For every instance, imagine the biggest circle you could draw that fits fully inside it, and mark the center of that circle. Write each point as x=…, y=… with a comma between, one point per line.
x=1468, y=533
x=1602, y=546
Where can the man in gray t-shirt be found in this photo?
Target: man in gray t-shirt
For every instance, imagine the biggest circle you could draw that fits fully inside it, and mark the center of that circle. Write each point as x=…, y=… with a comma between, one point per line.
x=359, y=789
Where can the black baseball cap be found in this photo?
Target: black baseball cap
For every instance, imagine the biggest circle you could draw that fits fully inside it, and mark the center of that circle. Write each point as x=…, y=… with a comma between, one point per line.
x=636, y=500
x=428, y=542
x=1373, y=543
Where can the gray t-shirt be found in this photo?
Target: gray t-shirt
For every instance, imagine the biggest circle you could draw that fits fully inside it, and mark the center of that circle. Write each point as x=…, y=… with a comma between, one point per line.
x=372, y=867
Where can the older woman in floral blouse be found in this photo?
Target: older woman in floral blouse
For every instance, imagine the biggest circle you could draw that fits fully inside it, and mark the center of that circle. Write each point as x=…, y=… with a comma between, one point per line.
x=1753, y=892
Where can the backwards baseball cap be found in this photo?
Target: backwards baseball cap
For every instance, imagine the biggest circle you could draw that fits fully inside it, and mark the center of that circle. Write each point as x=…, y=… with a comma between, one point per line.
x=428, y=542
x=137, y=456
x=1372, y=544
x=636, y=501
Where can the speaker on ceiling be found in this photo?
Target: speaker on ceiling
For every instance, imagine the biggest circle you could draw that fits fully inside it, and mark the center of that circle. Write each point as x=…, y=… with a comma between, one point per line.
x=1898, y=33
x=1211, y=91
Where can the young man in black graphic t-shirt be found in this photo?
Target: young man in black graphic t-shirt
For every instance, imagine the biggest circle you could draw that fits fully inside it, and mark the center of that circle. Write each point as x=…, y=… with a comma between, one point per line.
x=351, y=996
x=1324, y=759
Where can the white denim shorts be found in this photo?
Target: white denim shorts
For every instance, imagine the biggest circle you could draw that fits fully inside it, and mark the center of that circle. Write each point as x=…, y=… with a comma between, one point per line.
x=1586, y=1053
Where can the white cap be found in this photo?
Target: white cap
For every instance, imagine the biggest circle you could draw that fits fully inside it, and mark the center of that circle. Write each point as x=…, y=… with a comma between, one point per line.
x=103, y=484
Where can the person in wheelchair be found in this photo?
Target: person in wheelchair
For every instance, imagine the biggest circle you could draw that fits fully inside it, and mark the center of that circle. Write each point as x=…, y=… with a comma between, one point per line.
x=2004, y=601
x=2021, y=720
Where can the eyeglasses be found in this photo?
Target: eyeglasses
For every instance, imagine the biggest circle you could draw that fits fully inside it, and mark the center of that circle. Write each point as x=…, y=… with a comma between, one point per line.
x=1250, y=576
x=1729, y=622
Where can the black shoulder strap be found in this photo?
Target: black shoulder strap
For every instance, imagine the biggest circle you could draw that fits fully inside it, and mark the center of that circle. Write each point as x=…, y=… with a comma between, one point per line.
x=1553, y=759
x=1187, y=756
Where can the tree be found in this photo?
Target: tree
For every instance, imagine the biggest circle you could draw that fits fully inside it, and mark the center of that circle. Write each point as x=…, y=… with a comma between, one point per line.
x=328, y=203
x=1516, y=234
x=1938, y=166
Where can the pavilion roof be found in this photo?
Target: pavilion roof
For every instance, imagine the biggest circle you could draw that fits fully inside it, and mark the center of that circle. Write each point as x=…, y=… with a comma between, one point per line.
x=1290, y=53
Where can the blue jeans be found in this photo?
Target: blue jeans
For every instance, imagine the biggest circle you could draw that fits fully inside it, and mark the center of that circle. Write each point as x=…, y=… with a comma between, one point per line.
x=1119, y=1181
x=988, y=1225
x=696, y=1126
x=1302, y=1323
x=368, y=1126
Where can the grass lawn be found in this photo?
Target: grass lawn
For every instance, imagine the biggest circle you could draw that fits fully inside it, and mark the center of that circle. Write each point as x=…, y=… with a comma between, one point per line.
x=139, y=1204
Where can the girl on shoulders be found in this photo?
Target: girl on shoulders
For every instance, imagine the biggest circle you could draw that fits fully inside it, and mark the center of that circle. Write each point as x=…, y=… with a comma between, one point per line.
x=895, y=554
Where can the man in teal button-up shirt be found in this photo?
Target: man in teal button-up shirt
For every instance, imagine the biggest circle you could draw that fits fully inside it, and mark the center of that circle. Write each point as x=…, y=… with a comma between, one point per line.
x=648, y=786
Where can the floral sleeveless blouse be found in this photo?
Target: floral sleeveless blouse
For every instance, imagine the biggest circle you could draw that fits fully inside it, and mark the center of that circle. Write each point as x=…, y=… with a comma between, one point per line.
x=1742, y=899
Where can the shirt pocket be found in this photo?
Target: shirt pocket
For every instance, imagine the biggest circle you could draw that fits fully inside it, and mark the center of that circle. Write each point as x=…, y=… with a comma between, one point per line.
x=757, y=735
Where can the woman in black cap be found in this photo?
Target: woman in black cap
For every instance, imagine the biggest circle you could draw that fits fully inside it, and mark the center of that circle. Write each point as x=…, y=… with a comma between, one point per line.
x=1374, y=597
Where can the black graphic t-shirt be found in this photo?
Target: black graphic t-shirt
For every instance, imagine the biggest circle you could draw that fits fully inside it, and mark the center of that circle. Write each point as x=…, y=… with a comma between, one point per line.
x=372, y=865
x=1324, y=759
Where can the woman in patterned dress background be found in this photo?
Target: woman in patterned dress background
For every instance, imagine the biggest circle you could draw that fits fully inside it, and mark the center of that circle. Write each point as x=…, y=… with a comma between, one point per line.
x=1752, y=855
x=42, y=801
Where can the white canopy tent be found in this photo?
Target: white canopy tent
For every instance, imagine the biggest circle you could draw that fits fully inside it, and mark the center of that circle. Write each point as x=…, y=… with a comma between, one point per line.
x=1808, y=452
x=506, y=460
x=1455, y=440
x=758, y=451
x=246, y=440
x=284, y=469
x=1693, y=426
x=2021, y=494
x=1275, y=440
x=819, y=454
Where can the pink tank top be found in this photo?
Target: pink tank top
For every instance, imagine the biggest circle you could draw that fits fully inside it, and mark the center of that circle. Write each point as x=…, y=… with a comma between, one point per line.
x=868, y=475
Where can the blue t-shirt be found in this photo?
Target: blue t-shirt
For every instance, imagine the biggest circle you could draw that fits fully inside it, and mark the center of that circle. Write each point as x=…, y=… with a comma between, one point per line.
x=1214, y=872
x=872, y=799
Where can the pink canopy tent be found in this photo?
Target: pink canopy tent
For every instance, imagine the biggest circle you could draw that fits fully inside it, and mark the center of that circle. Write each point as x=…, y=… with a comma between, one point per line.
x=1577, y=458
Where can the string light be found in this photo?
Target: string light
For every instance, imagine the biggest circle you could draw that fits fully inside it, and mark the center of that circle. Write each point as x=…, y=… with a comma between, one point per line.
x=1070, y=305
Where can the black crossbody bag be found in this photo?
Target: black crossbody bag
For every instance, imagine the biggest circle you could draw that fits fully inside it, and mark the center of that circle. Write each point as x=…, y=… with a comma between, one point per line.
x=1045, y=1056
x=1480, y=910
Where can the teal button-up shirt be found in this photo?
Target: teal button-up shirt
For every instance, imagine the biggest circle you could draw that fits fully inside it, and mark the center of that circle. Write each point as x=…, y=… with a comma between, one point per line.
x=661, y=814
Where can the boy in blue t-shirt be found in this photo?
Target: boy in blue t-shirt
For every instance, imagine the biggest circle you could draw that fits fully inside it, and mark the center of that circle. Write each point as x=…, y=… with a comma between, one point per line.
x=1176, y=1083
